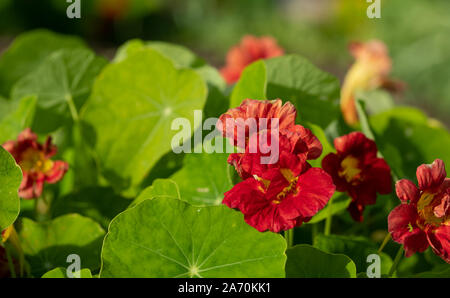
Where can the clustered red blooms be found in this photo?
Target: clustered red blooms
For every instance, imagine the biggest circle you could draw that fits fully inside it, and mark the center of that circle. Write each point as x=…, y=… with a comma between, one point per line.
x=284, y=194
x=249, y=50
x=423, y=217
x=357, y=170
x=370, y=71
x=34, y=160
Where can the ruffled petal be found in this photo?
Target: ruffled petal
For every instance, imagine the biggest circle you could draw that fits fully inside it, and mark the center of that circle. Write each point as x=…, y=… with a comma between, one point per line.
x=439, y=239
x=402, y=222
x=314, y=189
x=432, y=175
x=57, y=172
x=356, y=144
x=407, y=191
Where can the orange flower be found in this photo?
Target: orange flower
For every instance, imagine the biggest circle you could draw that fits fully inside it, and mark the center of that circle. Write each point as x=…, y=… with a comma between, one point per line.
x=248, y=51
x=34, y=160
x=370, y=71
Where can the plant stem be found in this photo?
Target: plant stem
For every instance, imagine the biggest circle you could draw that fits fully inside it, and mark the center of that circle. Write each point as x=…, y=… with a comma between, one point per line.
x=289, y=236
x=397, y=259
x=385, y=241
x=329, y=218
x=12, y=269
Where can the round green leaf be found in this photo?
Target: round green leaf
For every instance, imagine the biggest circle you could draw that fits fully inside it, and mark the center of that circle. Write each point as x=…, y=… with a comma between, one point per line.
x=161, y=188
x=62, y=83
x=28, y=51
x=10, y=179
x=309, y=262
x=170, y=238
x=130, y=138
x=47, y=244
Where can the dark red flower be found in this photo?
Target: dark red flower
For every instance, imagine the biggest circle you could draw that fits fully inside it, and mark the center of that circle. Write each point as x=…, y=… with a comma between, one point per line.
x=281, y=199
x=34, y=160
x=357, y=170
x=249, y=50
x=423, y=218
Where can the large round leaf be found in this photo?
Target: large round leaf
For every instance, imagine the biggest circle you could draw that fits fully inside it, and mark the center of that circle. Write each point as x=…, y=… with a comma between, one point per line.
x=28, y=51
x=10, y=179
x=170, y=238
x=47, y=244
x=307, y=261
x=132, y=108
x=291, y=78
x=62, y=83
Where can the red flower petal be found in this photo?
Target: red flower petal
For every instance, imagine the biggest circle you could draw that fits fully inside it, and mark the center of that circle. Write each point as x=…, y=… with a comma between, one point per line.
x=407, y=191
x=356, y=211
x=315, y=188
x=300, y=137
x=57, y=172
x=416, y=241
x=439, y=239
x=355, y=143
x=402, y=222
x=432, y=175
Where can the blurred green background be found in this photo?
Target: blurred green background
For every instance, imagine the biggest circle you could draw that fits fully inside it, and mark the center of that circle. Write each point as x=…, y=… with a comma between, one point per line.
x=417, y=32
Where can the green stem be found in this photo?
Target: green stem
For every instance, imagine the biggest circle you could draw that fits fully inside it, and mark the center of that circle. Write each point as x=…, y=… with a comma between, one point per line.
x=289, y=236
x=12, y=269
x=72, y=108
x=329, y=218
x=397, y=259
x=385, y=241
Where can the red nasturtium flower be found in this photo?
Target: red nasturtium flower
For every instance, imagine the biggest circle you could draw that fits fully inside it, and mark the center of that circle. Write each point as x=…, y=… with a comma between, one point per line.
x=34, y=160
x=423, y=217
x=249, y=50
x=357, y=170
x=292, y=138
x=282, y=195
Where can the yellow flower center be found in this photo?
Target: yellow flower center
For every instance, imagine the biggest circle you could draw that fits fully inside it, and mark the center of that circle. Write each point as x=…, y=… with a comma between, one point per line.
x=291, y=188
x=35, y=161
x=426, y=207
x=349, y=170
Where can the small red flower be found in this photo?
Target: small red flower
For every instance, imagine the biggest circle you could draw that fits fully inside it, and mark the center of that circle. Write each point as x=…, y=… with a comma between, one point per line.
x=282, y=194
x=357, y=170
x=249, y=50
x=34, y=160
x=423, y=218
x=281, y=199
x=292, y=138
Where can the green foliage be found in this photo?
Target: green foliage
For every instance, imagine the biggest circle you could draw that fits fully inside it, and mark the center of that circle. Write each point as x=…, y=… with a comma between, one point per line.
x=169, y=238
x=60, y=272
x=47, y=244
x=27, y=52
x=10, y=179
x=174, y=93
x=291, y=78
x=309, y=262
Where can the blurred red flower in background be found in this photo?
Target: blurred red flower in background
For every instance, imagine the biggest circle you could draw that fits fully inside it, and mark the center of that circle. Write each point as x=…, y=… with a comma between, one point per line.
x=423, y=218
x=249, y=50
x=357, y=170
x=34, y=160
